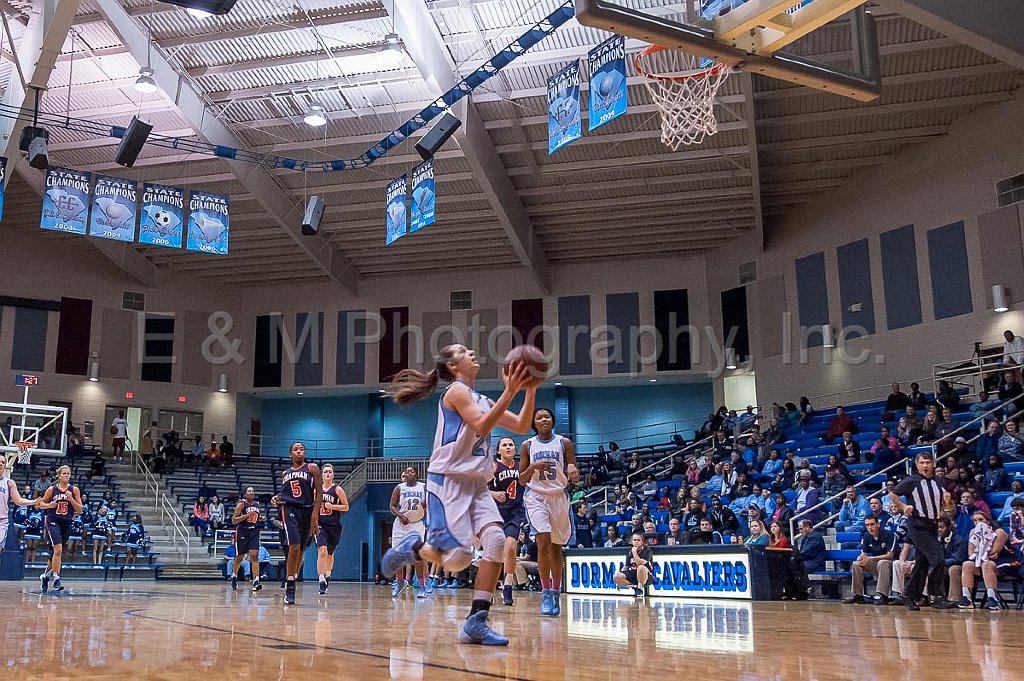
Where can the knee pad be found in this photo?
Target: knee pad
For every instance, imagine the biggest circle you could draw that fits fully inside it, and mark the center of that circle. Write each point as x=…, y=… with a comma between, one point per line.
x=457, y=559
x=492, y=543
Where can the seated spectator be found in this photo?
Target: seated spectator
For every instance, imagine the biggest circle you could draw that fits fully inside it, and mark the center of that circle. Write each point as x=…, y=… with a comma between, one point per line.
x=913, y=420
x=758, y=534
x=806, y=411
x=577, y=492
x=931, y=422
x=783, y=511
x=678, y=469
x=675, y=534
x=791, y=455
x=200, y=518
x=985, y=404
x=693, y=515
x=946, y=397
x=41, y=484
x=613, y=539
x=883, y=456
x=787, y=478
x=76, y=443
x=102, y=534
x=895, y=403
x=848, y=450
x=806, y=496
x=811, y=547
x=1017, y=492
x=905, y=434
x=773, y=433
x=987, y=443
x=708, y=428
x=989, y=554
x=717, y=483
x=636, y=570
x=1011, y=443
x=664, y=499
x=738, y=463
x=762, y=450
x=778, y=538
x=841, y=423
x=772, y=466
x=954, y=550
x=961, y=450
x=834, y=460
x=945, y=429
x=854, y=512
x=889, y=440
x=581, y=526
x=213, y=457
x=723, y=519
x=995, y=479
x=693, y=473
x=649, y=489
x=918, y=400
x=1011, y=389
x=748, y=419
x=216, y=510
x=834, y=483
x=964, y=514
x=615, y=457
x=877, y=550
x=704, y=534
x=632, y=466
x=804, y=468
x=730, y=479
x=198, y=451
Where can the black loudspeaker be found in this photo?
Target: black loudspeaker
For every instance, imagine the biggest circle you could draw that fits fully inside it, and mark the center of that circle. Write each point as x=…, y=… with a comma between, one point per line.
x=37, y=154
x=311, y=218
x=437, y=136
x=131, y=144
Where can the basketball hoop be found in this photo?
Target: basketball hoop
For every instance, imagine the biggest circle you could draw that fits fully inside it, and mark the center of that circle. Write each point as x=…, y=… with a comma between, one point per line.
x=685, y=99
x=25, y=452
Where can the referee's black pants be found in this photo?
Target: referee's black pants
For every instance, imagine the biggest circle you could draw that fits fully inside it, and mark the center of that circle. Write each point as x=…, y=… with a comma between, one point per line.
x=929, y=566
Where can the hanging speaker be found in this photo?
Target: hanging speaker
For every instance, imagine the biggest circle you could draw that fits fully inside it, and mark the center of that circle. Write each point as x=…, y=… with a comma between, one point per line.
x=132, y=142
x=437, y=136
x=311, y=218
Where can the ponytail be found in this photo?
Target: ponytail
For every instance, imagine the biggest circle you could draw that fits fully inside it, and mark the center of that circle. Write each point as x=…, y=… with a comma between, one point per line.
x=410, y=385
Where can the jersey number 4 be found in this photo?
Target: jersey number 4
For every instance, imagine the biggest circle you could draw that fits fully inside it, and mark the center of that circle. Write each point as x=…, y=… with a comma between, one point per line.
x=296, y=489
x=512, y=491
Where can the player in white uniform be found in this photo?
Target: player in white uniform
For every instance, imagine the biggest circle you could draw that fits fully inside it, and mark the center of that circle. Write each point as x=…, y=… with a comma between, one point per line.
x=462, y=512
x=8, y=493
x=543, y=462
x=408, y=505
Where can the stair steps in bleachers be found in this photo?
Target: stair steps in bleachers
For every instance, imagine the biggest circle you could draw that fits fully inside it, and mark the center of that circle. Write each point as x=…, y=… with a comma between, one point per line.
x=204, y=570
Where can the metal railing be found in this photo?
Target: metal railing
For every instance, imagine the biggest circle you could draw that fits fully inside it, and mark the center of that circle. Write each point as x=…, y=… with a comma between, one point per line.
x=354, y=483
x=905, y=463
x=162, y=504
x=390, y=469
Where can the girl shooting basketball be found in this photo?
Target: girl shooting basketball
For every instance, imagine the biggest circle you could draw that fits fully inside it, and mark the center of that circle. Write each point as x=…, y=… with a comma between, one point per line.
x=462, y=511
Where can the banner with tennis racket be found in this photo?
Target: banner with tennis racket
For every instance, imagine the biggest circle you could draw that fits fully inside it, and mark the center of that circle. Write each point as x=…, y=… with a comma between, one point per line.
x=423, y=196
x=163, y=214
x=564, y=107
x=66, y=200
x=607, y=94
x=395, y=212
x=114, y=205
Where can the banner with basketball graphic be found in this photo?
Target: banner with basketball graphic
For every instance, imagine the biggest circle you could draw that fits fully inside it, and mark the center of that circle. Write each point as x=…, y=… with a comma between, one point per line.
x=163, y=214
x=207, y=223
x=114, y=203
x=422, y=213
x=395, y=211
x=3, y=183
x=607, y=93
x=564, y=107
x=66, y=200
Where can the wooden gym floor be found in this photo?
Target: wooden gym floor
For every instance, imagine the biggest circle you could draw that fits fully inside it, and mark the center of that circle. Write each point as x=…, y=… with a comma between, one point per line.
x=204, y=632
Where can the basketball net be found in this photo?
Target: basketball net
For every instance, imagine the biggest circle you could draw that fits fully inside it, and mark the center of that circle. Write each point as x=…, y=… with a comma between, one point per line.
x=686, y=99
x=25, y=452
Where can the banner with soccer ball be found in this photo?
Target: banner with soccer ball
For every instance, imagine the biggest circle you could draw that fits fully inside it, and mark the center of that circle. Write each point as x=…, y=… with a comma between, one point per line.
x=163, y=213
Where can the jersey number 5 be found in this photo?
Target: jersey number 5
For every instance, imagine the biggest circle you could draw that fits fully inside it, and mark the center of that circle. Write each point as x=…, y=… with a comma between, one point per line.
x=296, y=489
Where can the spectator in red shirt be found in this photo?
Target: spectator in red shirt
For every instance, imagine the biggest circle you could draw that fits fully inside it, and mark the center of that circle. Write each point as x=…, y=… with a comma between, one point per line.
x=840, y=424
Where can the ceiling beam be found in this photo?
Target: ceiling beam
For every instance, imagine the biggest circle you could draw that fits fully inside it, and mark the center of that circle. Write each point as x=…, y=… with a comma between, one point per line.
x=255, y=179
x=884, y=109
x=39, y=48
x=429, y=52
x=746, y=111
x=400, y=75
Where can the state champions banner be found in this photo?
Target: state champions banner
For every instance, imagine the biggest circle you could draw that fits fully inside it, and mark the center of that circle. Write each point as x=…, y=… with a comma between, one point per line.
x=163, y=214
x=395, y=211
x=66, y=200
x=3, y=183
x=423, y=196
x=114, y=205
x=207, y=223
x=564, y=107
x=607, y=93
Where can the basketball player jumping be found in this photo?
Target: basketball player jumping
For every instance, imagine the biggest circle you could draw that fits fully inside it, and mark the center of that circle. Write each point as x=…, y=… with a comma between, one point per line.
x=300, y=512
x=543, y=462
x=332, y=505
x=507, y=494
x=246, y=520
x=408, y=505
x=462, y=511
x=61, y=501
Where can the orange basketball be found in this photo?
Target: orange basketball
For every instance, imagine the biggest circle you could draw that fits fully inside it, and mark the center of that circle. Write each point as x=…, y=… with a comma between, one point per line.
x=531, y=357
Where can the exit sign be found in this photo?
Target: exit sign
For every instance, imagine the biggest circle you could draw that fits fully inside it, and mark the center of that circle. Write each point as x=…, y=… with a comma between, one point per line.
x=26, y=379
x=129, y=396
x=181, y=398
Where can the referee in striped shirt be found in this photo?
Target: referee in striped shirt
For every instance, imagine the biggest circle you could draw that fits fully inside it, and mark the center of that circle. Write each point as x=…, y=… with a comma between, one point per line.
x=927, y=501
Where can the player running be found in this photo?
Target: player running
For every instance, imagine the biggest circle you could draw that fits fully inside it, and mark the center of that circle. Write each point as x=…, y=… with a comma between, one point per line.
x=333, y=504
x=246, y=520
x=300, y=512
x=61, y=501
x=509, y=497
x=408, y=505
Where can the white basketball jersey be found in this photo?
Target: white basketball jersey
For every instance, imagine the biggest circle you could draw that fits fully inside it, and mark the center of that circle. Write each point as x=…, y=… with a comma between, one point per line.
x=551, y=450
x=5, y=496
x=412, y=500
x=457, y=449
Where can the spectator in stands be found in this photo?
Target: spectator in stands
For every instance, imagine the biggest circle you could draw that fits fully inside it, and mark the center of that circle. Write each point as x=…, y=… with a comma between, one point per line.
x=758, y=534
x=811, y=547
x=895, y=403
x=905, y=434
x=877, y=550
x=787, y=478
x=577, y=492
x=1011, y=389
x=41, y=484
x=1011, y=443
x=147, y=449
x=917, y=399
x=692, y=474
x=747, y=419
x=723, y=519
x=946, y=397
x=854, y=512
x=789, y=416
x=1016, y=492
x=675, y=535
x=716, y=484
x=730, y=479
x=213, y=457
x=890, y=441
x=804, y=468
x=964, y=513
x=1016, y=524
x=806, y=496
x=650, y=532
x=773, y=433
x=988, y=554
x=227, y=452
x=840, y=423
x=882, y=455
x=705, y=533
x=1013, y=349
x=791, y=455
x=708, y=428
x=581, y=525
x=783, y=511
x=198, y=452
x=216, y=511
x=848, y=451
x=599, y=473
x=984, y=405
x=648, y=489
x=930, y=423
x=772, y=466
x=987, y=443
x=875, y=506
x=995, y=478
x=76, y=443
x=806, y=411
x=778, y=539
x=835, y=482
x=691, y=518
x=946, y=427
x=613, y=539
x=200, y=518
x=632, y=466
x=954, y=550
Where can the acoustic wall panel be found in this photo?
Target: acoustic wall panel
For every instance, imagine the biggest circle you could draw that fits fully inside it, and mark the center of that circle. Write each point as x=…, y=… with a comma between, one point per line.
x=622, y=313
x=951, y=280
x=574, y=336
x=812, y=297
x=350, y=365
x=855, y=294
x=899, y=276
x=671, y=321
x=309, y=345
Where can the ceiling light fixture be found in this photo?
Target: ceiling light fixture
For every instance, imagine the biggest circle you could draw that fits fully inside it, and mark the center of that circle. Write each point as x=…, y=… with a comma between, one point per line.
x=392, y=50
x=145, y=83
x=199, y=13
x=315, y=116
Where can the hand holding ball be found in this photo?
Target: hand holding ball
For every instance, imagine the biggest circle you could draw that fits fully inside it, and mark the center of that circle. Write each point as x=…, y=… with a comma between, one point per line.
x=532, y=358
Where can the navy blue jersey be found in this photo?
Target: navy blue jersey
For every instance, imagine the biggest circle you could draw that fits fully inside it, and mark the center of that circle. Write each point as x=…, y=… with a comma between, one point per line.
x=328, y=516
x=247, y=509
x=297, y=486
x=135, y=534
x=506, y=479
x=63, y=509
